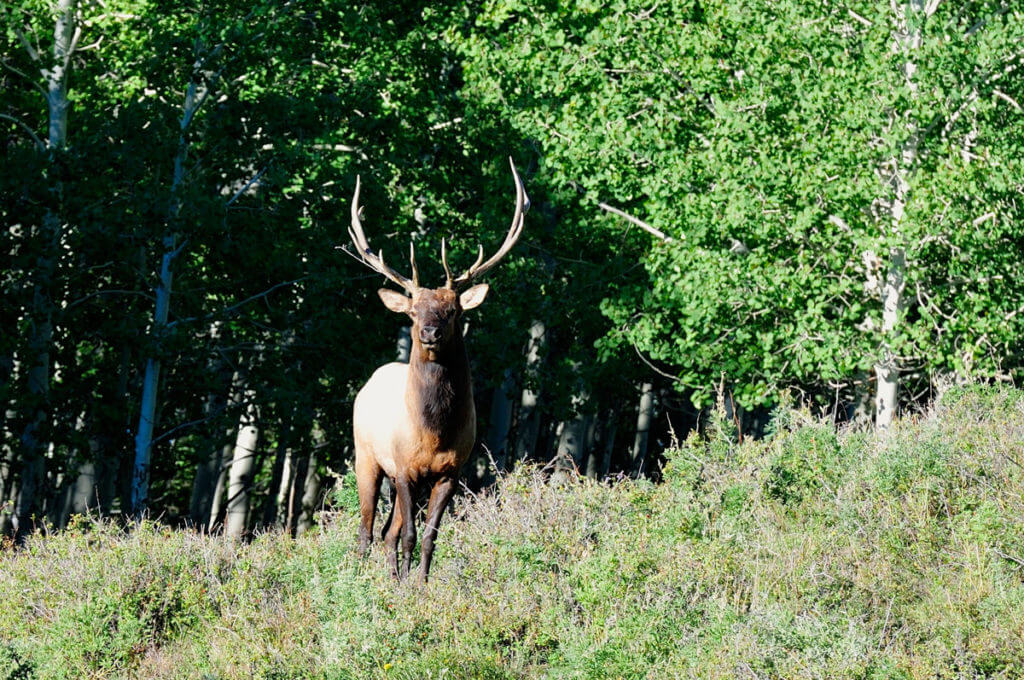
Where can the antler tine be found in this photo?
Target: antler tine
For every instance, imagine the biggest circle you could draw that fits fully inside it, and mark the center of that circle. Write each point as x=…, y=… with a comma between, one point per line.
x=479, y=258
x=514, y=232
x=355, y=230
x=448, y=281
x=376, y=262
x=412, y=261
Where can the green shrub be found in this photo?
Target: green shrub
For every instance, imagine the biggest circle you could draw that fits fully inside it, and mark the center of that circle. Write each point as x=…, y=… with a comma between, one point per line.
x=12, y=665
x=804, y=461
x=810, y=554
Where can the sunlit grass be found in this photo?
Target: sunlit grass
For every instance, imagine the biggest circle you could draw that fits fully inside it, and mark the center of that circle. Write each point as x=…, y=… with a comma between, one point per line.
x=806, y=555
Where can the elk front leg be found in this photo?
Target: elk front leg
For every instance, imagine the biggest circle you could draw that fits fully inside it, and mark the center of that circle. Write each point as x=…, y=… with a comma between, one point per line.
x=391, y=537
x=404, y=515
x=440, y=496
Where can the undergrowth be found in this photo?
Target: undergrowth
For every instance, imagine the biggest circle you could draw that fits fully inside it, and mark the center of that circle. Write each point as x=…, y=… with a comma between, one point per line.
x=809, y=554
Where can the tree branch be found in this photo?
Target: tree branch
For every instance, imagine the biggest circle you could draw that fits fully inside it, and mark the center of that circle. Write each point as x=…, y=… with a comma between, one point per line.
x=30, y=79
x=247, y=185
x=860, y=19
x=177, y=251
x=984, y=22
x=92, y=46
x=673, y=378
x=1007, y=98
x=191, y=423
x=192, y=106
x=976, y=91
x=265, y=293
x=634, y=220
x=238, y=305
x=27, y=129
x=72, y=46
x=111, y=291
x=33, y=53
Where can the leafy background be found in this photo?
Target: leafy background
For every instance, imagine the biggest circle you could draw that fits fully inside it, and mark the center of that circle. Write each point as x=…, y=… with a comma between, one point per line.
x=759, y=137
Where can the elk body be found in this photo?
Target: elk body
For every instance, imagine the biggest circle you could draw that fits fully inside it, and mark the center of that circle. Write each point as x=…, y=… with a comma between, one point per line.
x=416, y=422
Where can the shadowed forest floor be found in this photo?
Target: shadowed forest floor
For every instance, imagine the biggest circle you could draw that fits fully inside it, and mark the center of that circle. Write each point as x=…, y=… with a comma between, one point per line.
x=809, y=554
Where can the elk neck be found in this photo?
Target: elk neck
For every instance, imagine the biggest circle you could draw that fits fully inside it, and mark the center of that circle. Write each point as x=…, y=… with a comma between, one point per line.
x=439, y=388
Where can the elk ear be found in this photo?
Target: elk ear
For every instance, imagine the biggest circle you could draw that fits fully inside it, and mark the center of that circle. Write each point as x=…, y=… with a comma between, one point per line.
x=395, y=301
x=474, y=296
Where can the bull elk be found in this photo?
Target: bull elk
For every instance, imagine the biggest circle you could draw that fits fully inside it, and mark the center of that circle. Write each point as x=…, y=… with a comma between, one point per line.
x=416, y=422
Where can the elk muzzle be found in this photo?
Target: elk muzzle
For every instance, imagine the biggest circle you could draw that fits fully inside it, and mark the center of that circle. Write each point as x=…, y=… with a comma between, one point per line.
x=430, y=336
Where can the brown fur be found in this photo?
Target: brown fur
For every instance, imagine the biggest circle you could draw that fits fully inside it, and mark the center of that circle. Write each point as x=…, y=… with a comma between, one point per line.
x=424, y=438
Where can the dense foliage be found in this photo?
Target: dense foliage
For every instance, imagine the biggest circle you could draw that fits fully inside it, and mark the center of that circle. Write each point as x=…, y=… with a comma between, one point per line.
x=757, y=135
x=805, y=555
x=837, y=188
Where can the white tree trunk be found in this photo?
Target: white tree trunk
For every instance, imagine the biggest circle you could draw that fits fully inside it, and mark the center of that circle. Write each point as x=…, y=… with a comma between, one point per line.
x=92, y=486
x=594, y=458
x=65, y=34
x=609, y=430
x=7, y=452
x=8, y=469
x=887, y=370
x=600, y=442
x=6, y=482
x=571, y=453
x=282, y=452
x=644, y=418
x=528, y=418
x=151, y=380
x=217, y=502
x=210, y=462
x=220, y=461
x=85, y=494
x=283, y=490
x=501, y=421
x=861, y=410
x=240, y=475
x=299, y=472
x=305, y=484
x=909, y=22
x=310, y=497
x=404, y=345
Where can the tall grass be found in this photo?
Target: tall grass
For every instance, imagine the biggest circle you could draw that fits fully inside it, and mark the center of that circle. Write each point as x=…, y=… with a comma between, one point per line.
x=809, y=554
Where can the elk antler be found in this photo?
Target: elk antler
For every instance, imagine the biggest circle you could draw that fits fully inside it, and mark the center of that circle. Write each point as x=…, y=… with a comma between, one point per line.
x=376, y=262
x=514, y=232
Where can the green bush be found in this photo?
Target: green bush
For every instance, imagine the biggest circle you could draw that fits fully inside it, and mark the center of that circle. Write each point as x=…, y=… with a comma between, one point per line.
x=805, y=460
x=809, y=554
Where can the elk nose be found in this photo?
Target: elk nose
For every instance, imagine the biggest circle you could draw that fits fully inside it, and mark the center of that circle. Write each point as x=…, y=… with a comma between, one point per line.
x=430, y=334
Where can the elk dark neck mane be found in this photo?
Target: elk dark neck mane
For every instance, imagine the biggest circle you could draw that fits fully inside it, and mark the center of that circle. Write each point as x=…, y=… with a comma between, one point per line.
x=440, y=390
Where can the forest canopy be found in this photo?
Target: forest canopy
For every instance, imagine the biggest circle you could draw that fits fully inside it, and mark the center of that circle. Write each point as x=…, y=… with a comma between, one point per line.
x=753, y=201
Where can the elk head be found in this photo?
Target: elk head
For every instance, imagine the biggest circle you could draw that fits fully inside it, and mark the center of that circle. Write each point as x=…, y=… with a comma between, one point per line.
x=435, y=312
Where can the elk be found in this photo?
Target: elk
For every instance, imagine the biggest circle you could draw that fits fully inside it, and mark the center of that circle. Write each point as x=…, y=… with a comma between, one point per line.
x=416, y=422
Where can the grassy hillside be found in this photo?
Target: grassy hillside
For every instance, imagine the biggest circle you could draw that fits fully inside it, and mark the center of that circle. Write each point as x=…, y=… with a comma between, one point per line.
x=807, y=555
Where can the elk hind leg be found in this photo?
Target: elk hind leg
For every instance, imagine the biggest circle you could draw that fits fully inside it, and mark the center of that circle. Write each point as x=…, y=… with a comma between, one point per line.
x=391, y=511
x=368, y=478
